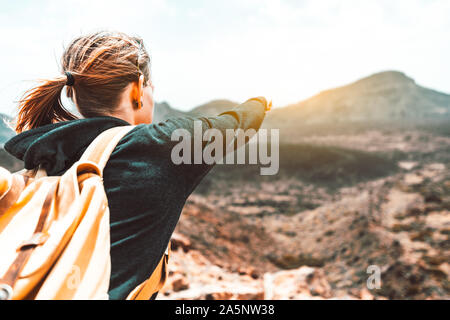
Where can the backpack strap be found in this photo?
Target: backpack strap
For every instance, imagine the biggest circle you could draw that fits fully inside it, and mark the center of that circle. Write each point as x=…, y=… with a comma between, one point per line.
x=101, y=148
x=99, y=152
x=155, y=282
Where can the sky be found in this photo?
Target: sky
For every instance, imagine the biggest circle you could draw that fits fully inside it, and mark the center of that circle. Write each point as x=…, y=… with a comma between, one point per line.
x=285, y=50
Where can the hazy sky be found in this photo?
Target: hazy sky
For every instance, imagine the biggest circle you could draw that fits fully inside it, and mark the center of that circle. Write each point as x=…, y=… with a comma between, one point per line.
x=286, y=50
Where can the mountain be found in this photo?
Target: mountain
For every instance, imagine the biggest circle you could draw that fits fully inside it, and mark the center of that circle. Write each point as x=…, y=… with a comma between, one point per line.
x=388, y=97
x=214, y=107
x=6, y=132
x=385, y=98
x=162, y=111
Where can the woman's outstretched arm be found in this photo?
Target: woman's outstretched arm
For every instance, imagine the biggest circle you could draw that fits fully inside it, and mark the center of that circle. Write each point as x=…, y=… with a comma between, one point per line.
x=167, y=134
x=247, y=115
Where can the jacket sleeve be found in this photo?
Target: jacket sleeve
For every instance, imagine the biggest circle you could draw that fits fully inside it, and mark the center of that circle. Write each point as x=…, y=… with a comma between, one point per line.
x=248, y=115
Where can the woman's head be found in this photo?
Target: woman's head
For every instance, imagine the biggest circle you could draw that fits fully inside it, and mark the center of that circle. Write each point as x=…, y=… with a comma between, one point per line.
x=108, y=73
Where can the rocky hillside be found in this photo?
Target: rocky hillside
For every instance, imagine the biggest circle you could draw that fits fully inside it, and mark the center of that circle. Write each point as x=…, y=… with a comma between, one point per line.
x=384, y=98
x=363, y=182
x=255, y=245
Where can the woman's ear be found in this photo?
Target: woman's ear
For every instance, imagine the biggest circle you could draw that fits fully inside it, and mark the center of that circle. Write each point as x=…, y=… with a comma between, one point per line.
x=137, y=92
x=140, y=90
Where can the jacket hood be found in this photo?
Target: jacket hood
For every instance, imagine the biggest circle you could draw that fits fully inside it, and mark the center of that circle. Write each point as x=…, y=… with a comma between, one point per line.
x=56, y=146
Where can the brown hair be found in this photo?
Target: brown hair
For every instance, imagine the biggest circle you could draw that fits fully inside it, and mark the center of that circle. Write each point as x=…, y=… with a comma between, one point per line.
x=102, y=64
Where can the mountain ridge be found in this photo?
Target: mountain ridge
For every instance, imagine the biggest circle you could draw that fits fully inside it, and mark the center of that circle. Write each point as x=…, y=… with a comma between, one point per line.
x=388, y=97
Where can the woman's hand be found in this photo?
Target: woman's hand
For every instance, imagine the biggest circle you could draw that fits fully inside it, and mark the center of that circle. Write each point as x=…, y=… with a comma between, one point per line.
x=267, y=104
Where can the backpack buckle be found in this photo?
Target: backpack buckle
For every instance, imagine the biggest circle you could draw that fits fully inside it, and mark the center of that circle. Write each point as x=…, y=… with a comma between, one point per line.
x=6, y=292
x=36, y=239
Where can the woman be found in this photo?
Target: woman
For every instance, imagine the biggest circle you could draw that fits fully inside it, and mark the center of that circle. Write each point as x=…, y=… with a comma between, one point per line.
x=107, y=75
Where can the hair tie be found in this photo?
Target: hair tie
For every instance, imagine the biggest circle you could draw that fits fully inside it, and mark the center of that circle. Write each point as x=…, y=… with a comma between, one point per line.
x=70, y=80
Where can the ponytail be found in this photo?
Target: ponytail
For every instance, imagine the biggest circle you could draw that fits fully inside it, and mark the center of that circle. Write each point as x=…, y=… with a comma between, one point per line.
x=42, y=105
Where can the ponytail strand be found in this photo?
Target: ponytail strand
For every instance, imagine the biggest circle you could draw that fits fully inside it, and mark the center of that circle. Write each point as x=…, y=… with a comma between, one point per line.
x=42, y=105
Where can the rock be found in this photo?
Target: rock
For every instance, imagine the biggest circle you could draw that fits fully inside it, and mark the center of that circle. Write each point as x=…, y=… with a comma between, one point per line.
x=399, y=227
x=435, y=260
x=407, y=165
x=252, y=210
x=250, y=271
x=236, y=295
x=412, y=180
x=180, y=241
x=436, y=166
x=230, y=291
x=421, y=235
x=179, y=283
x=366, y=295
x=206, y=280
x=290, y=261
x=218, y=296
x=305, y=282
x=433, y=197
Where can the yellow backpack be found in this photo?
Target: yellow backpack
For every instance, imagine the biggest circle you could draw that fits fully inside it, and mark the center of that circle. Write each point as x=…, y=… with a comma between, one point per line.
x=54, y=231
